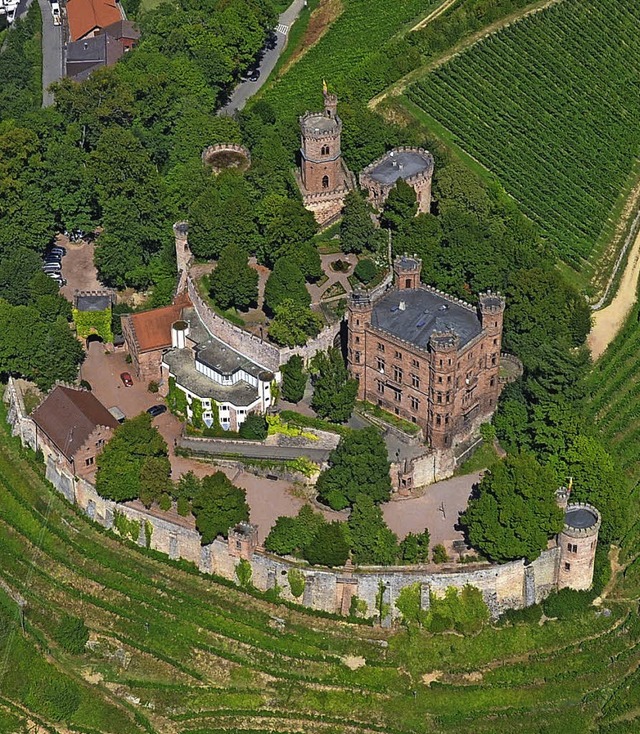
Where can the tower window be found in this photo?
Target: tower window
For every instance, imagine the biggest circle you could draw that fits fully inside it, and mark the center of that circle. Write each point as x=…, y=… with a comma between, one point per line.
x=567, y=567
x=407, y=283
x=325, y=150
x=325, y=182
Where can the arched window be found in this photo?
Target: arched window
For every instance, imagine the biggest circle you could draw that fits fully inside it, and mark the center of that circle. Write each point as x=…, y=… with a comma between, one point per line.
x=325, y=182
x=325, y=150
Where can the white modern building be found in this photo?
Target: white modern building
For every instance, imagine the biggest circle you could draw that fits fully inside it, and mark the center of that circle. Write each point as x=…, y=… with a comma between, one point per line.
x=228, y=385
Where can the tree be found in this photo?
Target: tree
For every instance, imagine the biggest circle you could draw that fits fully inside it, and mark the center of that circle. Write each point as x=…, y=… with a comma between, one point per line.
x=334, y=393
x=414, y=548
x=365, y=271
x=401, y=205
x=218, y=506
x=515, y=512
x=372, y=542
x=187, y=486
x=296, y=582
x=329, y=547
x=134, y=462
x=72, y=634
x=307, y=258
x=284, y=223
x=254, y=427
x=358, y=465
x=294, y=379
x=291, y=535
x=286, y=282
x=357, y=229
x=294, y=324
x=234, y=282
x=409, y=604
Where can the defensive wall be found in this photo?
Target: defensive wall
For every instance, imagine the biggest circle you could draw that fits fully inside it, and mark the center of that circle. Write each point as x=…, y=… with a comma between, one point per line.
x=511, y=585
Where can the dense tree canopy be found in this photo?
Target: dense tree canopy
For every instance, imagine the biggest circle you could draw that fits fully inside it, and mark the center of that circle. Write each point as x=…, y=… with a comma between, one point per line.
x=294, y=379
x=218, y=506
x=357, y=230
x=286, y=282
x=372, y=542
x=134, y=463
x=294, y=323
x=334, y=392
x=234, y=282
x=358, y=465
x=515, y=512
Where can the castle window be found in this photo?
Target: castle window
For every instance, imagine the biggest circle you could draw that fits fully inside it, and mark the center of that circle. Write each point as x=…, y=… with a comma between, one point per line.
x=441, y=363
x=495, y=342
x=380, y=387
x=89, y=461
x=397, y=395
x=495, y=323
x=415, y=403
x=325, y=182
x=397, y=374
x=567, y=567
x=448, y=379
x=325, y=150
x=415, y=381
x=380, y=347
x=439, y=397
x=438, y=420
x=100, y=443
x=357, y=357
x=440, y=379
x=448, y=397
x=398, y=354
x=357, y=322
x=572, y=547
x=446, y=419
x=357, y=340
x=238, y=545
x=415, y=363
x=492, y=382
x=494, y=360
x=407, y=283
x=380, y=363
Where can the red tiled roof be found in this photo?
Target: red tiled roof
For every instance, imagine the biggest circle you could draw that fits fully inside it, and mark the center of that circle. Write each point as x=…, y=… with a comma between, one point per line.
x=152, y=329
x=86, y=15
x=68, y=417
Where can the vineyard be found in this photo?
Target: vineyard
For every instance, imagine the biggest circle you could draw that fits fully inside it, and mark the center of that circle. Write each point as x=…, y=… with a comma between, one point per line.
x=172, y=651
x=354, y=36
x=548, y=105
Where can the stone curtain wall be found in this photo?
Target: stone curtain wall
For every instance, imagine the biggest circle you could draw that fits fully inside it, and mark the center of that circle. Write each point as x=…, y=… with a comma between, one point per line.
x=264, y=354
x=508, y=586
x=21, y=424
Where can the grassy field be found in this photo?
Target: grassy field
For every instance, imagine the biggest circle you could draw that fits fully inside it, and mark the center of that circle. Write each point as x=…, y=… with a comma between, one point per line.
x=544, y=105
x=173, y=651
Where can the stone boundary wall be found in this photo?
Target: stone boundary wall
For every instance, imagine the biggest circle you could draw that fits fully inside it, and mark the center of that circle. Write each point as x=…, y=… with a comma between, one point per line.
x=261, y=352
x=21, y=424
x=224, y=148
x=507, y=586
x=517, y=364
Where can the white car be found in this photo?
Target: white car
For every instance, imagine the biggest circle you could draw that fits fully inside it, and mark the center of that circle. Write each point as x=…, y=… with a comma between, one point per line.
x=55, y=12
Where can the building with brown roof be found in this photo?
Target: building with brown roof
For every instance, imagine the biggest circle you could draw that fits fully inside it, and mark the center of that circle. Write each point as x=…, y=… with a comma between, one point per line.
x=103, y=48
x=88, y=18
x=147, y=336
x=72, y=426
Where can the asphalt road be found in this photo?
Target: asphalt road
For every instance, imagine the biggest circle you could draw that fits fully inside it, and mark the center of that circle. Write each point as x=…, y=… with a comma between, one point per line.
x=247, y=89
x=51, y=52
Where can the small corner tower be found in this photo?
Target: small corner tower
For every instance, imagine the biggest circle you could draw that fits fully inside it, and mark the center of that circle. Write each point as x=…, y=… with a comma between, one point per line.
x=407, y=272
x=491, y=307
x=183, y=254
x=243, y=540
x=578, y=541
x=360, y=308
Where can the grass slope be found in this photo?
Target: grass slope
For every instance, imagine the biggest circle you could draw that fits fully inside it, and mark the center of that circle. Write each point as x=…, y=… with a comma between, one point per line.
x=204, y=657
x=545, y=105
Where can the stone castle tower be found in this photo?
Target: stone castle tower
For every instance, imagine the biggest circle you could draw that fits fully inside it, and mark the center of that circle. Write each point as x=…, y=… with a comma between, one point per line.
x=578, y=541
x=323, y=179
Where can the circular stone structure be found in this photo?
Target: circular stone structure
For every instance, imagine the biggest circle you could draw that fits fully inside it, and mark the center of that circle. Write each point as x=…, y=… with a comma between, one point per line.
x=578, y=541
x=412, y=165
x=226, y=155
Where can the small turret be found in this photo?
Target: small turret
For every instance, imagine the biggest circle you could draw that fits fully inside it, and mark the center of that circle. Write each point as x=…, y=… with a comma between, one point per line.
x=330, y=101
x=407, y=272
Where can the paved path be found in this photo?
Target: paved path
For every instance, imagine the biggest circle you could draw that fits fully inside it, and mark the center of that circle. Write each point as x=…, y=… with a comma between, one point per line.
x=247, y=88
x=253, y=451
x=334, y=277
x=51, y=52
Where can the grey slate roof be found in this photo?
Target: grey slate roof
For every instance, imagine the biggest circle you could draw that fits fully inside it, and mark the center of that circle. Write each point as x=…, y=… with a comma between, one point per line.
x=93, y=303
x=321, y=123
x=579, y=517
x=399, y=164
x=425, y=313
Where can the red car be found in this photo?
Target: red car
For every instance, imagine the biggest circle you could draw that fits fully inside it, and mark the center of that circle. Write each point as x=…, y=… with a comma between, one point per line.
x=126, y=379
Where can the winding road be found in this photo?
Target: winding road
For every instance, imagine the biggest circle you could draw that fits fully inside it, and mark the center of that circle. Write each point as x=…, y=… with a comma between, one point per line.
x=51, y=52
x=247, y=88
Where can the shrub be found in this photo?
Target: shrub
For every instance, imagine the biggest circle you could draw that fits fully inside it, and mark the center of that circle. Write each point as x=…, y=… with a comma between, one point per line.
x=53, y=695
x=565, y=603
x=71, y=634
x=365, y=271
x=165, y=501
x=255, y=427
x=329, y=547
x=153, y=386
x=85, y=385
x=440, y=554
x=602, y=569
x=527, y=615
x=244, y=572
x=128, y=359
x=184, y=507
x=296, y=582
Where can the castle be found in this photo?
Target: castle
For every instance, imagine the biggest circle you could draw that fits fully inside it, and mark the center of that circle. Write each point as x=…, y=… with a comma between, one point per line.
x=426, y=356
x=324, y=179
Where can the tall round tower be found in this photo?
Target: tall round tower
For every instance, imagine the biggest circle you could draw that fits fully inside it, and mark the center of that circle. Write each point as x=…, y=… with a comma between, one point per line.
x=320, y=152
x=578, y=541
x=359, y=310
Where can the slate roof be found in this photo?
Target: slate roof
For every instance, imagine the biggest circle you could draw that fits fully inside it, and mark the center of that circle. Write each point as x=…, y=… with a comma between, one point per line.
x=93, y=303
x=580, y=518
x=425, y=313
x=400, y=164
x=68, y=417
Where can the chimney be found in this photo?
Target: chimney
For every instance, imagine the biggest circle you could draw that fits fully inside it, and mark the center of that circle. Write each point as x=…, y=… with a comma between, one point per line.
x=402, y=306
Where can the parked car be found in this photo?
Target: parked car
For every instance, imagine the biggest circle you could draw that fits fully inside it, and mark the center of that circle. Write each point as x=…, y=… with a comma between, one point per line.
x=58, y=279
x=51, y=268
x=155, y=410
x=126, y=379
x=58, y=250
x=51, y=257
x=254, y=75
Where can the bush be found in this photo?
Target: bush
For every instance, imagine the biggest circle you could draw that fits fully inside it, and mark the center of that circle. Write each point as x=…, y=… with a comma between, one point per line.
x=329, y=547
x=565, y=603
x=153, y=386
x=184, y=507
x=254, y=428
x=296, y=582
x=602, y=569
x=53, y=695
x=165, y=501
x=244, y=572
x=440, y=554
x=528, y=615
x=85, y=385
x=365, y=270
x=71, y=634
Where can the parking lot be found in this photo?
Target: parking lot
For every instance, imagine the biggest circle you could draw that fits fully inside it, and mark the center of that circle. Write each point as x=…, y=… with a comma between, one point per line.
x=77, y=267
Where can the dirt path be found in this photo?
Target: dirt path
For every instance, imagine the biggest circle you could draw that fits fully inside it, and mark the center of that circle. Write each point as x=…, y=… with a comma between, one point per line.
x=608, y=322
x=433, y=15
